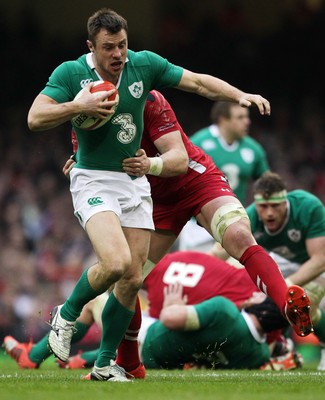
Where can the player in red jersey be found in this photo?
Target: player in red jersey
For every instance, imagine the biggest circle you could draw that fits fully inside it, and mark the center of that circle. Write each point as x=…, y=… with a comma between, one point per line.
x=202, y=277
x=180, y=197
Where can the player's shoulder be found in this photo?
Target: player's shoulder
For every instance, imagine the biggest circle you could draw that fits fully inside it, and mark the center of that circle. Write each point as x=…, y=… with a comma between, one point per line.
x=74, y=66
x=257, y=226
x=251, y=211
x=300, y=196
x=141, y=57
x=201, y=135
x=250, y=142
x=156, y=104
x=157, y=98
x=80, y=61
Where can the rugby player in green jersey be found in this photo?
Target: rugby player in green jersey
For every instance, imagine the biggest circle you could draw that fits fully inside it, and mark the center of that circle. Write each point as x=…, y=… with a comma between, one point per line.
x=291, y=225
x=114, y=208
x=213, y=334
x=240, y=157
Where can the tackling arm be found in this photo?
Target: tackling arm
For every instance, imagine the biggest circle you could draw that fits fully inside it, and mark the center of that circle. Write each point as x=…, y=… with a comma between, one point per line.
x=173, y=154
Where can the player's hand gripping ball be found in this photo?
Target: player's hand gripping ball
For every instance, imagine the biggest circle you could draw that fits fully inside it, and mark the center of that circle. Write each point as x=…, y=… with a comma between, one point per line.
x=88, y=122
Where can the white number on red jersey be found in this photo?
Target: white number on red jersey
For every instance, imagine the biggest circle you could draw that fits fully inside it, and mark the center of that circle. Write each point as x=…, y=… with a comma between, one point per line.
x=186, y=274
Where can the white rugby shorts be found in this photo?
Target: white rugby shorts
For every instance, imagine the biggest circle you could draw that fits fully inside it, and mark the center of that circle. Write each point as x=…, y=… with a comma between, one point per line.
x=95, y=191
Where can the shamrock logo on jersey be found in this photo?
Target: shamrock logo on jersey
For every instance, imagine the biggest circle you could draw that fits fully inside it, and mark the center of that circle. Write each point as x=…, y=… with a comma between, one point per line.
x=247, y=155
x=136, y=89
x=294, y=235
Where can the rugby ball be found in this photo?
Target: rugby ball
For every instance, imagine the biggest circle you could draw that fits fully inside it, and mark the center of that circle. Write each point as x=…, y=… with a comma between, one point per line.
x=87, y=122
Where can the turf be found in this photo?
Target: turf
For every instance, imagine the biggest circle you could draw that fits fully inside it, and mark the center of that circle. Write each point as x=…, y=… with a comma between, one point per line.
x=49, y=382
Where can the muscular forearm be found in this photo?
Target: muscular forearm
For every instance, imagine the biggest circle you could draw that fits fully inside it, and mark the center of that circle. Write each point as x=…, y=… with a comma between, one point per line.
x=46, y=116
x=180, y=317
x=217, y=89
x=308, y=271
x=208, y=86
x=175, y=163
x=171, y=163
x=45, y=113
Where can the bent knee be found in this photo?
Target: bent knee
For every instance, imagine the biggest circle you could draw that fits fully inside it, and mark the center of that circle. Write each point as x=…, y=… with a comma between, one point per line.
x=227, y=215
x=113, y=268
x=134, y=283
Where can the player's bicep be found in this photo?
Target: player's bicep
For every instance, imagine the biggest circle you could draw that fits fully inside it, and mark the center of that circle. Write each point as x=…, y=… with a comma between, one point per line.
x=189, y=82
x=42, y=100
x=170, y=141
x=316, y=247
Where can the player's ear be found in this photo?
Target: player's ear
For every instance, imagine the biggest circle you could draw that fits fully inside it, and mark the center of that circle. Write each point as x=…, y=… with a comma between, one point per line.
x=90, y=45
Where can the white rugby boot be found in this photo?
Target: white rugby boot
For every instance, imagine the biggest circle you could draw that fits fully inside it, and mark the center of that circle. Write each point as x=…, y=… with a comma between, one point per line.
x=112, y=373
x=60, y=334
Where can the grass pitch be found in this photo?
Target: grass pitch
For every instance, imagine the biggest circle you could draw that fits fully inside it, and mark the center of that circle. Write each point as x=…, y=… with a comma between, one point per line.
x=51, y=383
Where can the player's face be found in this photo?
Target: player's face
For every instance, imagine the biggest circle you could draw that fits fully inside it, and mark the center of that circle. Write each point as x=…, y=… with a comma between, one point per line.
x=239, y=122
x=109, y=53
x=273, y=215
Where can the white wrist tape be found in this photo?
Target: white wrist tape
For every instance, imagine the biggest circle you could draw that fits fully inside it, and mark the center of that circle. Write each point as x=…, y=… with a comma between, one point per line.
x=192, y=319
x=156, y=165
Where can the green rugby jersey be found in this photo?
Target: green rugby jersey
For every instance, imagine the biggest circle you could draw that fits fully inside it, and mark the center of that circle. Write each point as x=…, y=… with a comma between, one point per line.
x=223, y=341
x=242, y=161
x=306, y=220
x=105, y=148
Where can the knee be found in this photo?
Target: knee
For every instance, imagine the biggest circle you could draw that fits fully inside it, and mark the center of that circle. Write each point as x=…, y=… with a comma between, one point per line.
x=112, y=268
x=127, y=288
x=134, y=283
x=230, y=215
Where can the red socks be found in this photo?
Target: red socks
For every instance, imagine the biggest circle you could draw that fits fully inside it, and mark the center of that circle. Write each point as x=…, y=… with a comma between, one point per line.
x=265, y=274
x=128, y=352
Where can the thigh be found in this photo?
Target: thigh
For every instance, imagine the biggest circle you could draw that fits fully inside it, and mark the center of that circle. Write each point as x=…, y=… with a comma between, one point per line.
x=106, y=235
x=95, y=192
x=160, y=243
x=172, y=217
x=138, y=242
x=127, y=287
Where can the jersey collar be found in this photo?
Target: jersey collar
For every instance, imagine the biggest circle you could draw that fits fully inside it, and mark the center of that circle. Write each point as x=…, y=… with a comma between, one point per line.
x=215, y=132
x=90, y=62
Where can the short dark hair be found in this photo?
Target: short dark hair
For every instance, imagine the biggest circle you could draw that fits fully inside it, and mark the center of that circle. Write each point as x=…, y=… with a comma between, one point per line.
x=221, y=109
x=269, y=183
x=268, y=315
x=105, y=18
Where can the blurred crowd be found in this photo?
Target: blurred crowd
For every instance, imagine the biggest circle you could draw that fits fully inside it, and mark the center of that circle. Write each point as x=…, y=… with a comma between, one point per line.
x=42, y=248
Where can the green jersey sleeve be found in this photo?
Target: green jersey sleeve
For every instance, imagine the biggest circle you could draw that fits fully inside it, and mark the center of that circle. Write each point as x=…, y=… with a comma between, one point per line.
x=315, y=224
x=164, y=73
x=59, y=87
